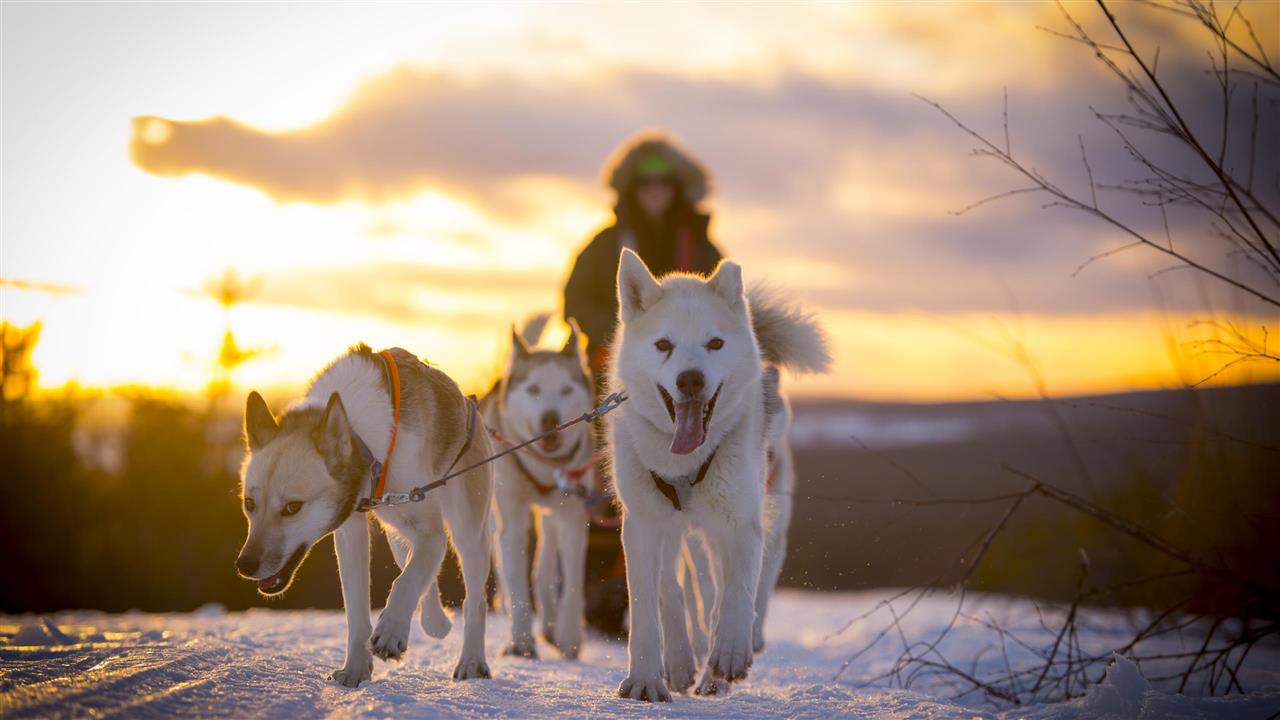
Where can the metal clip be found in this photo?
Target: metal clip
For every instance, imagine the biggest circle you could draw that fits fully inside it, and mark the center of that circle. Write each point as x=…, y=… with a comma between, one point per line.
x=394, y=499
x=561, y=480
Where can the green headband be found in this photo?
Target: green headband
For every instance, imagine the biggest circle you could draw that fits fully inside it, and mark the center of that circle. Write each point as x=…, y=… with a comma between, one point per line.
x=655, y=164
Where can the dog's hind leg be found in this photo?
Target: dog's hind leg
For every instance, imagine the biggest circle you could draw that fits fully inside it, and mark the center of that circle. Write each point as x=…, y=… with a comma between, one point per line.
x=433, y=617
x=677, y=654
x=351, y=540
x=775, y=551
x=546, y=574
x=699, y=594
x=571, y=536
x=470, y=534
x=391, y=636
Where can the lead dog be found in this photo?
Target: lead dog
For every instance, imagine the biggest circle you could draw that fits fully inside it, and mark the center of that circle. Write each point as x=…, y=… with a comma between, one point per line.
x=539, y=390
x=689, y=454
x=305, y=473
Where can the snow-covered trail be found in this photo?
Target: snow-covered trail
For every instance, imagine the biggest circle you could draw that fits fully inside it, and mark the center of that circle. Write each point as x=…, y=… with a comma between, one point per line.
x=266, y=663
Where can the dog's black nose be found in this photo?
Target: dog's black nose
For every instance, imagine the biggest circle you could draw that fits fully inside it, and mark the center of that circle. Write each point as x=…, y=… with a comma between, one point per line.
x=247, y=566
x=690, y=382
x=550, y=419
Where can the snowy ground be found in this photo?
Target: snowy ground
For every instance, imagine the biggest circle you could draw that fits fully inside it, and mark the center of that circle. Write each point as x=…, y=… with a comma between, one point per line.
x=275, y=664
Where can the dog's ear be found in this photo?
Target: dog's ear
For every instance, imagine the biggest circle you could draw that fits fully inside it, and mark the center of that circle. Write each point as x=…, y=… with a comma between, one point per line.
x=333, y=434
x=573, y=346
x=637, y=290
x=259, y=424
x=726, y=281
x=520, y=349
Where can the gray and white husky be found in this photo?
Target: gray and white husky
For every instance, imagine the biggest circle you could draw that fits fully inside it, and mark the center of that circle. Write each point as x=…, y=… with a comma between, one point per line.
x=539, y=390
x=306, y=472
x=690, y=456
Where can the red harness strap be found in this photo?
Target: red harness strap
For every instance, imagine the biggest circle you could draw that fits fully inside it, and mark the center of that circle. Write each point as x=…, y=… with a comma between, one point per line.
x=573, y=473
x=394, y=374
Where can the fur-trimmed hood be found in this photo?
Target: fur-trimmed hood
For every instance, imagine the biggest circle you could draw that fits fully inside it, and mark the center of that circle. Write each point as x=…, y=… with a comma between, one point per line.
x=621, y=169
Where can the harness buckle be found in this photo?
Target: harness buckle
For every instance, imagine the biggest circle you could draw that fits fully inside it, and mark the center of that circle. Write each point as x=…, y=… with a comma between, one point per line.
x=561, y=480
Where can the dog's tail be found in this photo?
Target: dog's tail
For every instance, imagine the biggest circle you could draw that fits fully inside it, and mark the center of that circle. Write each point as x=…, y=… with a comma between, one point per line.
x=533, y=328
x=788, y=335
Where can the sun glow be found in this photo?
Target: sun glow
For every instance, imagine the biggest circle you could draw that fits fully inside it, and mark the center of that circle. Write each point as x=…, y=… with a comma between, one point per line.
x=116, y=261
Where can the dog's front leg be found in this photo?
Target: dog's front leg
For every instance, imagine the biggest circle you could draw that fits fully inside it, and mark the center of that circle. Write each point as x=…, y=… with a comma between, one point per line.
x=641, y=543
x=391, y=637
x=546, y=574
x=571, y=535
x=513, y=543
x=352, y=542
x=738, y=546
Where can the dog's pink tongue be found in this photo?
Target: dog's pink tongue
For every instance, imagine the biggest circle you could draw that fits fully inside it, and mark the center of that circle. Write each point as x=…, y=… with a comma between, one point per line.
x=689, y=431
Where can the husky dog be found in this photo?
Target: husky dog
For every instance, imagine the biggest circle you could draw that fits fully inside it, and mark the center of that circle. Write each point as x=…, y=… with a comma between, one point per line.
x=689, y=454
x=305, y=473
x=780, y=478
x=539, y=390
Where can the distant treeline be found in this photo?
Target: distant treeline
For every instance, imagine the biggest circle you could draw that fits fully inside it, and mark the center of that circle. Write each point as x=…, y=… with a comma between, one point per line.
x=159, y=528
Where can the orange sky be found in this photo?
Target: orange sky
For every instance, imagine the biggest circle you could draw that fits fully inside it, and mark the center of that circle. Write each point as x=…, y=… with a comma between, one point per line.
x=422, y=175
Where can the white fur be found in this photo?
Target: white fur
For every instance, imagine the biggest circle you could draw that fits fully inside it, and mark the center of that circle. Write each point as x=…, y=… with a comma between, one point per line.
x=725, y=511
x=561, y=520
x=289, y=464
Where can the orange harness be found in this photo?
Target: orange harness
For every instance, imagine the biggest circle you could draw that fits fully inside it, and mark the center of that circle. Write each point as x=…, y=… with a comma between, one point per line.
x=394, y=374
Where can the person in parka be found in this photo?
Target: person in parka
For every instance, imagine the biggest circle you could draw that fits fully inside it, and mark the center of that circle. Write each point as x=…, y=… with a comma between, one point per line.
x=659, y=186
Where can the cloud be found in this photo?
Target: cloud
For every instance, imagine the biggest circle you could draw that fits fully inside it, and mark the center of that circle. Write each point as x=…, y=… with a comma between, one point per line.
x=839, y=171
x=403, y=293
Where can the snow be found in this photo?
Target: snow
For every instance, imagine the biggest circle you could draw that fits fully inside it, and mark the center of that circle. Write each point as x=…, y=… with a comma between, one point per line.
x=211, y=663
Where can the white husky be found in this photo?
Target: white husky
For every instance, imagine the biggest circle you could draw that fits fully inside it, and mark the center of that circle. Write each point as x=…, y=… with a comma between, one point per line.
x=305, y=474
x=539, y=390
x=689, y=454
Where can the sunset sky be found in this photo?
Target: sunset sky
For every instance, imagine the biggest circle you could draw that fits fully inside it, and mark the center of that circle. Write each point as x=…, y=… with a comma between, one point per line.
x=423, y=175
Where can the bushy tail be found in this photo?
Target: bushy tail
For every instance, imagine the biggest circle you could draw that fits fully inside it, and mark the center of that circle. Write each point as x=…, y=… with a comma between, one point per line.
x=788, y=335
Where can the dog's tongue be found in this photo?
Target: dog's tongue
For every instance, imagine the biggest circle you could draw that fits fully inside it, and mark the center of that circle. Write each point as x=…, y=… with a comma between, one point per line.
x=269, y=584
x=689, y=431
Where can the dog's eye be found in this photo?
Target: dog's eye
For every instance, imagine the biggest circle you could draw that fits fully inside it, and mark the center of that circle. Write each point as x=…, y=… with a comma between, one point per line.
x=715, y=344
x=664, y=345
x=564, y=391
x=291, y=508
x=534, y=390
x=249, y=505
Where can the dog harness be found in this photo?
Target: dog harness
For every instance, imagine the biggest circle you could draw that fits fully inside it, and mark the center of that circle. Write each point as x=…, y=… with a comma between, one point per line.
x=379, y=469
x=680, y=487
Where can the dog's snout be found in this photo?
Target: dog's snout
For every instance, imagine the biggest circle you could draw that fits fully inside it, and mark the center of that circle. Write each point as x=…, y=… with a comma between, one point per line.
x=690, y=382
x=246, y=565
x=550, y=420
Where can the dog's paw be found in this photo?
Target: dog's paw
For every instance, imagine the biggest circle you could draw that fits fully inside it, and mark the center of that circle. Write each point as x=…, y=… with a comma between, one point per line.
x=757, y=642
x=712, y=686
x=549, y=633
x=568, y=642
x=524, y=650
x=354, y=673
x=471, y=669
x=434, y=620
x=648, y=690
x=731, y=658
x=679, y=671
x=390, y=639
